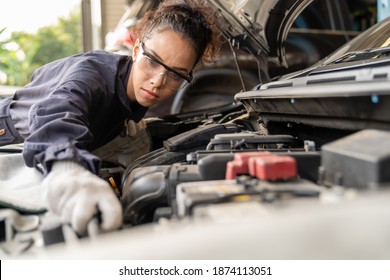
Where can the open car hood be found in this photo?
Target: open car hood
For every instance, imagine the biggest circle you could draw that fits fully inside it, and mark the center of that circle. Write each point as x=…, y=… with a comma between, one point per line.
x=347, y=90
x=259, y=26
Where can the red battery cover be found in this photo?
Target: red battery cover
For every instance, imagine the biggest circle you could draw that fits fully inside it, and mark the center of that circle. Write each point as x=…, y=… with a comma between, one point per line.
x=273, y=167
x=239, y=165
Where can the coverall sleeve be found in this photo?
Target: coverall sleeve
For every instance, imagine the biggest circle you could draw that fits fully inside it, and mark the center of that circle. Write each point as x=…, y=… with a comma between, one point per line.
x=59, y=128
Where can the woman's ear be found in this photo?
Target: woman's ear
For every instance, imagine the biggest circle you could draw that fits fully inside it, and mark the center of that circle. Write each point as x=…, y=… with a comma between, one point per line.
x=136, y=49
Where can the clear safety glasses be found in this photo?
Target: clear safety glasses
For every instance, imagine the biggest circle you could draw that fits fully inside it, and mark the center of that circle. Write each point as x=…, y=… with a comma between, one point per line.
x=153, y=67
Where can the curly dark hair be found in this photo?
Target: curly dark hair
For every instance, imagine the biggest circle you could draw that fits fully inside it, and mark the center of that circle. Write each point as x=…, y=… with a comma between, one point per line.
x=192, y=19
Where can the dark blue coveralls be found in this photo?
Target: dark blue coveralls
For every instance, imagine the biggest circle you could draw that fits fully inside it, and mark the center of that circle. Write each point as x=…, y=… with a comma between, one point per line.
x=71, y=107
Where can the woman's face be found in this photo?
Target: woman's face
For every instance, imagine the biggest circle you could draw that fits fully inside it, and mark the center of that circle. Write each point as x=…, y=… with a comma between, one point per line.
x=161, y=64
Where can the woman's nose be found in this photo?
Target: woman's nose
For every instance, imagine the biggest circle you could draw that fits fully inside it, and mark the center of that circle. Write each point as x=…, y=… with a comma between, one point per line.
x=158, y=80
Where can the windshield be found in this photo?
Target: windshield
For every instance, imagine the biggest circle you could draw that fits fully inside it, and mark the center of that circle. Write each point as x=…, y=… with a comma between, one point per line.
x=365, y=46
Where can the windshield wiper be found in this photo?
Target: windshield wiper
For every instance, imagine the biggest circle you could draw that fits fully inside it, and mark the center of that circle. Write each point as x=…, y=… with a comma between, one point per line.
x=363, y=55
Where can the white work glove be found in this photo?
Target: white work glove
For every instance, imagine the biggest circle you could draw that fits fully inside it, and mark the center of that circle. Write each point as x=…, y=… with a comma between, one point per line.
x=76, y=195
x=134, y=128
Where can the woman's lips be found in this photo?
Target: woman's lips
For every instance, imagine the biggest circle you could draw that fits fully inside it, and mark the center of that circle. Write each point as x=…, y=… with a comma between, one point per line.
x=150, y=95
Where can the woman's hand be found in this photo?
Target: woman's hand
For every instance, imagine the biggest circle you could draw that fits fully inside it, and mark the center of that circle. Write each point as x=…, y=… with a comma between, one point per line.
x=77, y=196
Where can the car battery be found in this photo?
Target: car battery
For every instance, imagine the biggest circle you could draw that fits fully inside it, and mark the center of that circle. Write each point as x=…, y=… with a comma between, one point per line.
x=212, y=164
x=189, y=195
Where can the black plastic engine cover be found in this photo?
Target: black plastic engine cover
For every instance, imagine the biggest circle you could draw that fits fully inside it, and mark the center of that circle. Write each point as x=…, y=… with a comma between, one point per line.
x=360, y=160
x=198, y=137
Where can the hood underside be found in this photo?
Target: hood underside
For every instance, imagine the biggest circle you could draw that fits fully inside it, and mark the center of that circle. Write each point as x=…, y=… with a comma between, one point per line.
x=347, y=90
x=259, y=26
